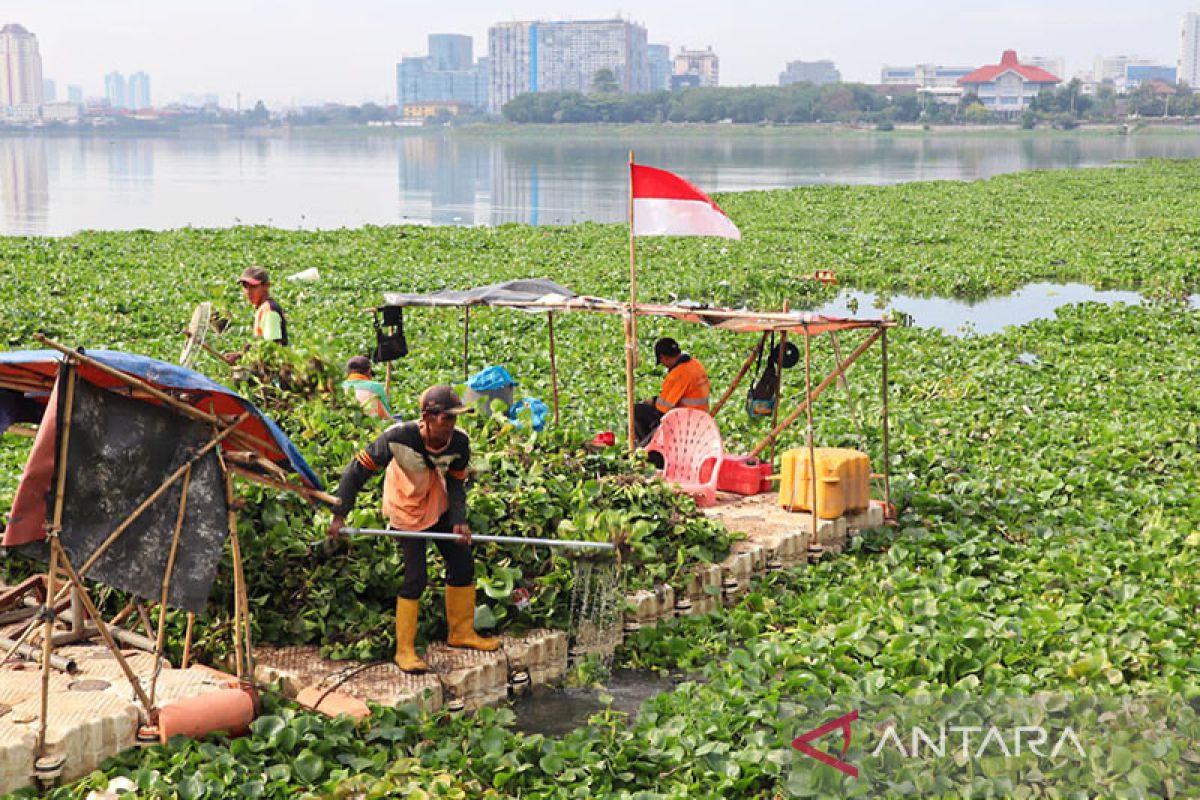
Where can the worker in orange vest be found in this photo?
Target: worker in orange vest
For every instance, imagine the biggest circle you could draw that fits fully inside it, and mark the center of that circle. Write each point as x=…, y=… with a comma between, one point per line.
x=686, y=386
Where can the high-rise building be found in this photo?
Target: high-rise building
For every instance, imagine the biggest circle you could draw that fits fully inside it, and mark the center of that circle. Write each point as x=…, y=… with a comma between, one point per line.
x=450, y=51
x=658, y=60
x=75, y=94
x=565, y=57
x=137, y=93
x=1055, y=65
x=1189, y=50
x=1111, y=69
x=49, y=91
x=445, y=75
x=703, y=63
x=818, y=72
x=20, y=68
x=114, y=90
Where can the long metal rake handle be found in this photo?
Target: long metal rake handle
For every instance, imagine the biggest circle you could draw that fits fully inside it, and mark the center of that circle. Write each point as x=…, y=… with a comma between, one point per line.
x=449, y=537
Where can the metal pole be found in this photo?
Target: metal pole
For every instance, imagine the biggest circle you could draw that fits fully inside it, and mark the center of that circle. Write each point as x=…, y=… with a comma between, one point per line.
x=783, y=337
x=453, y=537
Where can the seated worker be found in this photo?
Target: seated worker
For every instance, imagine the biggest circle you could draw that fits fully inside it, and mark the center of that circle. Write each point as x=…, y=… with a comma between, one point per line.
x=269, y=321
x=686, y=386
x=369, y=393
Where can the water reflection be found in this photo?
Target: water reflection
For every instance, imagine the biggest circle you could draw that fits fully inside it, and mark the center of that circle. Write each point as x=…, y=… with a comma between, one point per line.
x=991, y=315
x=25, y=193
x=63, y=184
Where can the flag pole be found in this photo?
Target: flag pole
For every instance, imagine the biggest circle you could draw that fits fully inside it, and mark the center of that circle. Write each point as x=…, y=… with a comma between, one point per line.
x=631, y=320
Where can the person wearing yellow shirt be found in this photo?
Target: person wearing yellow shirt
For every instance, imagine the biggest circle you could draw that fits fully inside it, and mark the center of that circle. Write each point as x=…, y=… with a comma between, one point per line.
x=685, y=386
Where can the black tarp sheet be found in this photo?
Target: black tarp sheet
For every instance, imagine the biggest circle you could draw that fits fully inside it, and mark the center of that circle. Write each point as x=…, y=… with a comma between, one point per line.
x=120, y=451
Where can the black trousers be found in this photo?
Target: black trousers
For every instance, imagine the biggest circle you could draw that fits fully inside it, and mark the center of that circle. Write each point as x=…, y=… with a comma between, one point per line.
x=460, y=563
x=645, y=419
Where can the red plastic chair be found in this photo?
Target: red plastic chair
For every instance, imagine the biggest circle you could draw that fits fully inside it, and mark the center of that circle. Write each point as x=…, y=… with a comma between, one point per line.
x=690, y=445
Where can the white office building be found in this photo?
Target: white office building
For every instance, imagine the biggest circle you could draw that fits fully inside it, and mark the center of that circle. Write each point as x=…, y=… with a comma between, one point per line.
x=20, y=68
x=1189, y=50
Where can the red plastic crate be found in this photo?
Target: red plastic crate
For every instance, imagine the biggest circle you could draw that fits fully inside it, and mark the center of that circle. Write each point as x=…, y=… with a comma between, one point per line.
x=743, y=475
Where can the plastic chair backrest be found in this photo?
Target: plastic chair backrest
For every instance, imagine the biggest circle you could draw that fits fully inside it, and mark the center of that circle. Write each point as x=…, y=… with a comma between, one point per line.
x=688, y=438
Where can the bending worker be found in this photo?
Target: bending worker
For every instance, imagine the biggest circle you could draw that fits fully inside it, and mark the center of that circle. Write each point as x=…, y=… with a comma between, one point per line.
x=686, y=386
x=369, y=393
x=269, y=320
x=424, y=489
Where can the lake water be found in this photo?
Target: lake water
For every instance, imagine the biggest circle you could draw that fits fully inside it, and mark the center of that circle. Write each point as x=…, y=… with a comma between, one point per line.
x=58, y=185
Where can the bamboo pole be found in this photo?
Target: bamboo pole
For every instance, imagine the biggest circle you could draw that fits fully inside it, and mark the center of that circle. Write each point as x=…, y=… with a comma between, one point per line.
x=887, y=460
x=737, y=379
x=844, y=385
x=810, y=433
x=387, y=377
x=166, y=584
x=631, y=320
x=64, y=443
x=241, y=600
x=553, y=366
x=187, y=641
x=816, y=392
x=102, y=627
x=304, y=491
x=466, y=342
x=779, y=379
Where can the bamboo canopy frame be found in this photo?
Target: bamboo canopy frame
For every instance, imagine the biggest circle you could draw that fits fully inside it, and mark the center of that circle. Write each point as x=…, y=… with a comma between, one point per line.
x=224, y=428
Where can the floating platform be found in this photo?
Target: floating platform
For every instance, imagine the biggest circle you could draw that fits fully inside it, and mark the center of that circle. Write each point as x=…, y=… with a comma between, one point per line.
x=93, y=714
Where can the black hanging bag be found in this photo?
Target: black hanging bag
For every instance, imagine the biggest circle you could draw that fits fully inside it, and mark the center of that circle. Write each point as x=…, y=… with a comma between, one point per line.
x=760, y=400
x=390, y=343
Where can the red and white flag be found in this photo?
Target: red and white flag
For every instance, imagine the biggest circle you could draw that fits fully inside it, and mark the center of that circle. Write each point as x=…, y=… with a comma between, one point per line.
x=665, y=204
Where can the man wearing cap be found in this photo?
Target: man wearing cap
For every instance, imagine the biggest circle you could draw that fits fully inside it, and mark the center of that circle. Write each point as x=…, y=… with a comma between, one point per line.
x=686, y=386
x=269, y=321
x=424, y=489
x=369, y=393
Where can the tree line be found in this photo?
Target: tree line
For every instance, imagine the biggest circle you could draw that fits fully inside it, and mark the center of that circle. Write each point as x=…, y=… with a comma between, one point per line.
x=838, y=102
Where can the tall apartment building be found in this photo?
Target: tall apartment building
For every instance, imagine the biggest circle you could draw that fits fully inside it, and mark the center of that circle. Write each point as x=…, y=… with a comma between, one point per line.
x=818, y=72
x=1189, y=50
x=114, y=90
x=75, y=94
x=20, y=68
x=565, y=57
x=137, y=93
x=658, y=59
x=703, y=63
x=445, y=75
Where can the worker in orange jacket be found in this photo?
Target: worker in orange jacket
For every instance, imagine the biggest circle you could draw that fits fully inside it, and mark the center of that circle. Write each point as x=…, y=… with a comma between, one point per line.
x=685, y=386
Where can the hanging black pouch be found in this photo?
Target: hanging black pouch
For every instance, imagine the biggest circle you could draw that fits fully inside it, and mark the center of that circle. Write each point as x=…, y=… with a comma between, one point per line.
x=760, y=400
x=390, y=343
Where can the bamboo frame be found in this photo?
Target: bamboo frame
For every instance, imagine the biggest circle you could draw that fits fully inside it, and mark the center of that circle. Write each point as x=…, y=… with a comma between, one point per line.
x=779, y=378
x=810, y=433
x=466, y=342
x=241, y=600
x=815, y=392
x=737, y=379
x=887, y=460
x=160, y=636
x=631, y=322
x=844, y=385
x=553, y=366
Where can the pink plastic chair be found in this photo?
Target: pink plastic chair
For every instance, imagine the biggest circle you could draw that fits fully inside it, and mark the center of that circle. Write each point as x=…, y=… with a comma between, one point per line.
x=690, y=445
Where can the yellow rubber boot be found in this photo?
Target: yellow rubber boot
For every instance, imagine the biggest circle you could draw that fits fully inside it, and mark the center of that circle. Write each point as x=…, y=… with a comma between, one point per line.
x=406, y=636
x=460, y=617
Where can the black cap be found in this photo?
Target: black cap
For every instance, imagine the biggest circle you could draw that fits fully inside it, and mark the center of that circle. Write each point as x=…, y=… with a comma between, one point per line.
x=666, y=347
x=360, y=364
x=441, y=399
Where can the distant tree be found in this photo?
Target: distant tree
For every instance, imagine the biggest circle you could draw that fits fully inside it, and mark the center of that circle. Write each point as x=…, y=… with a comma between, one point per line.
x=605, y=82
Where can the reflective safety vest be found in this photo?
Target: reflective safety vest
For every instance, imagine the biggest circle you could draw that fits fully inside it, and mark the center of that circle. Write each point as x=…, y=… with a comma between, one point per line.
x=269, y=322
x=686, y=386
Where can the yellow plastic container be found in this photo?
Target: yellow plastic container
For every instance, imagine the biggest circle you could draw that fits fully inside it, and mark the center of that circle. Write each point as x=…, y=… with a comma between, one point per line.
x=843, y=481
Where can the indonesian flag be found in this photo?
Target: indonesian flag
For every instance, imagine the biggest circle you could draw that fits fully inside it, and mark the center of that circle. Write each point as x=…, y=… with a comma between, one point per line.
x=665, y=204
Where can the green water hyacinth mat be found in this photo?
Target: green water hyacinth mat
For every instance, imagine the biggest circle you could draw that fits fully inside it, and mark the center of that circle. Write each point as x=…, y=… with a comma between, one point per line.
x=1049, y=536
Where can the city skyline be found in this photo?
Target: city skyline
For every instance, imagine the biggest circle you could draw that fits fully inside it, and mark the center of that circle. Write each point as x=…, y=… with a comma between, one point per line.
x=266, y=55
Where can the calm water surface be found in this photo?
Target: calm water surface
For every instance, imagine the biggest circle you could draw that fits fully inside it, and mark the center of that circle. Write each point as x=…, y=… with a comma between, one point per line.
x=58, y=185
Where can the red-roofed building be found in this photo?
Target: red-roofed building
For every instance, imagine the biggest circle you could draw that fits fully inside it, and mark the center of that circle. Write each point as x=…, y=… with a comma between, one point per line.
x=1009, y=87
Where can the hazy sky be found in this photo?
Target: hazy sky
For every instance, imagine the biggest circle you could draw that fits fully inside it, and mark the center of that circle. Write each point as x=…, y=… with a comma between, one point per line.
x=302, y=51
